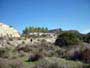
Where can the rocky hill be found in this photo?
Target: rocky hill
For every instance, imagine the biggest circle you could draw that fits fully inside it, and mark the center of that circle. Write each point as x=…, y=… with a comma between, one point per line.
x=7, y=31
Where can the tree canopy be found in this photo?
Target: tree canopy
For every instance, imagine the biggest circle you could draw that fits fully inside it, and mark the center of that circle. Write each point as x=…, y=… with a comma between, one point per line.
x=31, y=29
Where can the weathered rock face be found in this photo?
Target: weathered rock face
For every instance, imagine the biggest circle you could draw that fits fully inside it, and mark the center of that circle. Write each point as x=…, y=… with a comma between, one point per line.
x=7, y=31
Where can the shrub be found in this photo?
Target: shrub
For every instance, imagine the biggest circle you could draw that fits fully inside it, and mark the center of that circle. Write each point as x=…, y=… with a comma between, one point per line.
x=78, y=54
x=34, y=57
x=86, y=66
x=23, y=42
x=54, y=62
x=23, y=48
x=11, y=39
x=86, y=38
x=43, y=63
x=21, y=54
x=67, y=38
x=4, y=53
x=16, y=64
x=4, y=63
x=86, y=55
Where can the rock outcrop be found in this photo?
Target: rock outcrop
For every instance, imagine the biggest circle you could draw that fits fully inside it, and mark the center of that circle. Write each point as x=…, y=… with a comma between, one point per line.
x=7, y=31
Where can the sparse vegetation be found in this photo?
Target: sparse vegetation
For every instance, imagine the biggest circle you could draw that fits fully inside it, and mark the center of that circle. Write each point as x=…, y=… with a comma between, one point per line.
x=40, y=53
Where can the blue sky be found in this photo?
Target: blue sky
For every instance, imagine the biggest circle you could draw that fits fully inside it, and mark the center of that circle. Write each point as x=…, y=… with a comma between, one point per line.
x=65, y=14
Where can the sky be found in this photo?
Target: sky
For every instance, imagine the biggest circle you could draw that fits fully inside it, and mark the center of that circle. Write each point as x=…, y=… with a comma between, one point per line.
x=65, y=14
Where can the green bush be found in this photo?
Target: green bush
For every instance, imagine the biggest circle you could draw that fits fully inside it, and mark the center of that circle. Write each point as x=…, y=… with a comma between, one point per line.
x=86, y=38
x=67, y=38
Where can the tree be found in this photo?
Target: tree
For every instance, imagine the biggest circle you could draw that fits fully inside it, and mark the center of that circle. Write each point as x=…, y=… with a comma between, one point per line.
x=42, y=29
x=46, y=29
x=26, y=31
x=30, y=29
